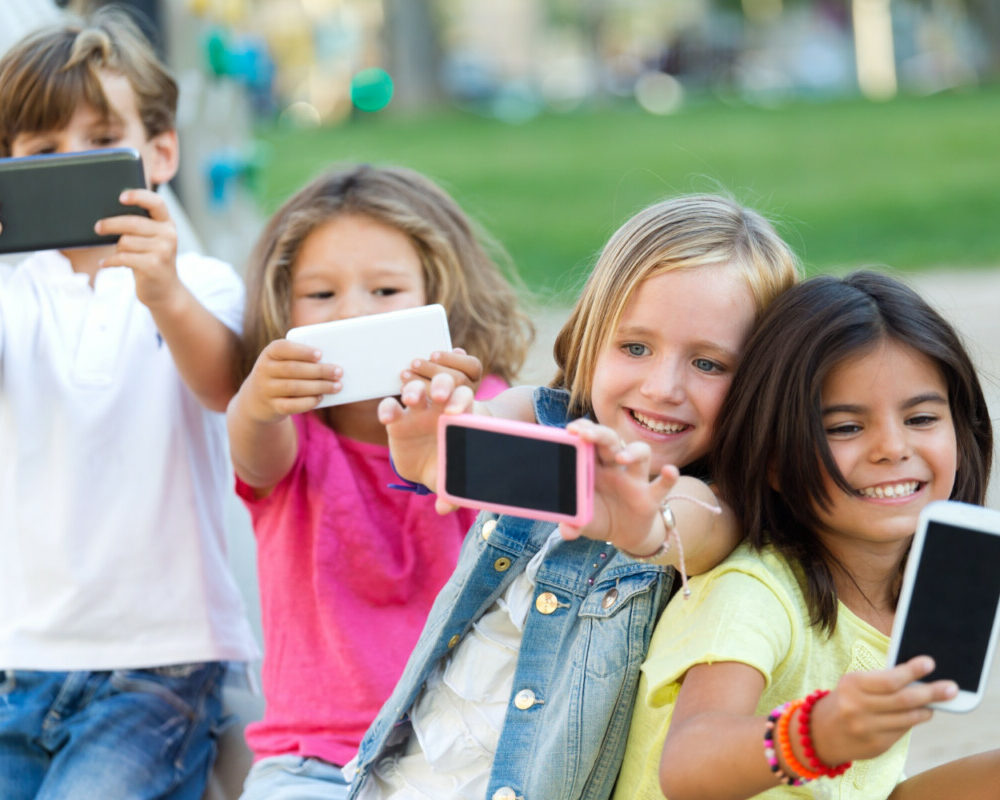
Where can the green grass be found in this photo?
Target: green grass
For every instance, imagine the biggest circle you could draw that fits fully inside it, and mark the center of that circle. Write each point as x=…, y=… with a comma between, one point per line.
x=912, y=184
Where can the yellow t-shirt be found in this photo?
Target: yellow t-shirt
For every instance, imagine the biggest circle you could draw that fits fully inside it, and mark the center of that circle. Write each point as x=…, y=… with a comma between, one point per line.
x=749, y=609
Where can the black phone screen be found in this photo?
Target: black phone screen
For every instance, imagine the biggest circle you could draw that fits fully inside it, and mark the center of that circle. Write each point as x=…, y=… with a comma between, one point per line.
x=953, y=603
x=511, y=470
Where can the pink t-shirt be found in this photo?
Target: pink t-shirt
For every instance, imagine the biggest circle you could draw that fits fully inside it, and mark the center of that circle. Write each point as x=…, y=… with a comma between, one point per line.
x=348, y=570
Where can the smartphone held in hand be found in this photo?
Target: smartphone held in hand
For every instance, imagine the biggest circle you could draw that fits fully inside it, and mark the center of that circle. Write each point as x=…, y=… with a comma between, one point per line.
x=50, y=202
x=516, y=468
x=949, y=604
x=373, y=350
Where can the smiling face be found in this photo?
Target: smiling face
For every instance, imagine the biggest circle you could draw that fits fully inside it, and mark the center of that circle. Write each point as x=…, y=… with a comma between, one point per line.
x=666, y=369
x=889, y=427
x=89, y=130
x=352, y=266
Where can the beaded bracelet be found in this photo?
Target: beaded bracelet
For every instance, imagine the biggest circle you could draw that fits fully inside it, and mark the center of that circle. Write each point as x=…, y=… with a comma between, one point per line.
x=785, y=744
x=769, y=753
x=805, y=731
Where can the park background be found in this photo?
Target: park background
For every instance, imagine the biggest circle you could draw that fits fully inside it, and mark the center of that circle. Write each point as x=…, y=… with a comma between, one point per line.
x=867, y=130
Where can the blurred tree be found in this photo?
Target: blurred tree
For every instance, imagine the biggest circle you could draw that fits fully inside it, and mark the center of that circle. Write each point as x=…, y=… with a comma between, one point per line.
x=414, y=52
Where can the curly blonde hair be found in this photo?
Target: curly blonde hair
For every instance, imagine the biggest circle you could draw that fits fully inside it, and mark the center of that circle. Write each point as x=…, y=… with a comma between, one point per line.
x=459, y=272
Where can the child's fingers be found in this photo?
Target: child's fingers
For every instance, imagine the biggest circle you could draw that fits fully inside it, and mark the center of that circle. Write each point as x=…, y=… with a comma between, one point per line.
x=414, y=394
x=569, y=532
x=389, y=410
x=443, y=507
x=460, y=361
x=147, y=199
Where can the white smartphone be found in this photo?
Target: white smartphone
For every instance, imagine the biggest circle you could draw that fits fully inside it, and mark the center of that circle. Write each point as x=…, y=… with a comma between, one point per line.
x=374, y=349
x=949, y=604
x=517, y=468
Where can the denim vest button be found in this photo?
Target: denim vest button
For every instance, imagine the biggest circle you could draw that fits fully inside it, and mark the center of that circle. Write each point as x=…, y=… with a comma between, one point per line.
x=504, y=793
x=524, y=699
x=609, y=598
x=546, y=603
x=454, y=640
x=488, y=527
x=502, y=564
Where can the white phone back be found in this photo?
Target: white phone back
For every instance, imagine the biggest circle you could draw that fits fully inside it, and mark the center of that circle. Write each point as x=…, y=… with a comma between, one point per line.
x=373, y=350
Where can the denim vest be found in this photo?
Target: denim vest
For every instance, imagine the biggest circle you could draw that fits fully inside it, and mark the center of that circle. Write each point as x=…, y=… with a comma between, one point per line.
x=578, y=668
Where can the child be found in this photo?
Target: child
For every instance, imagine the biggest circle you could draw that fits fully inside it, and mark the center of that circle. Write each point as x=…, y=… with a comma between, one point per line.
x=522, y=682
x=116, y=604
x=855, y=406
x=348, y=567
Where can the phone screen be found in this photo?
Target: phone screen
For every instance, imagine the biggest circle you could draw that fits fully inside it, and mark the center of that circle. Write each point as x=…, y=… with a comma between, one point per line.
x=510, y=470
x=954, y=599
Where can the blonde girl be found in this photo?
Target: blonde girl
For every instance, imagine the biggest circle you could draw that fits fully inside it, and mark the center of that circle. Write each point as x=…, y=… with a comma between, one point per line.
x=347, y=566
x=522, y=683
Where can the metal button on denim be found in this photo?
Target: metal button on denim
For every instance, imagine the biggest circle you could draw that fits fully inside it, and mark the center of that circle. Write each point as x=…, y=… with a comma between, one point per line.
x=502, y=564
x=609, y=598
x=504, y=793
x=488, y=527
x=453, y=641
x=524, y=699
x=546, y=603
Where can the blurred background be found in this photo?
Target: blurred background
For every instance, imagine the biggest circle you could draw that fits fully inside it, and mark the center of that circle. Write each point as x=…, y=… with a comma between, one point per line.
x=867, y=129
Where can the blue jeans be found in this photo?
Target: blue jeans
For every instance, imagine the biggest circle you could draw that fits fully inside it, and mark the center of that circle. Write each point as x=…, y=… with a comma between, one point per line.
x=130, y=734
x=294, y=778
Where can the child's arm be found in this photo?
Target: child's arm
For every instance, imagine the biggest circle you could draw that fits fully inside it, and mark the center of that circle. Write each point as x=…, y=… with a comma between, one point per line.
x=287, y=378
x=971, y=778
x=204, y=349
x=411, y=422
x=627, y=506
x=714, y=748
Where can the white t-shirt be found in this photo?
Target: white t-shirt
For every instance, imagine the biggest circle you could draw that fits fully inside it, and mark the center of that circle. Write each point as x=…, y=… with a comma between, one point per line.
x=112, y=477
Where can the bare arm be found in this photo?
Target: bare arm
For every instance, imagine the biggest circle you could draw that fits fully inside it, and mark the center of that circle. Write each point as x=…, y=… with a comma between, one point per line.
x=287, y=379
x=971, y=778
x=203, y=348
x=714, y=748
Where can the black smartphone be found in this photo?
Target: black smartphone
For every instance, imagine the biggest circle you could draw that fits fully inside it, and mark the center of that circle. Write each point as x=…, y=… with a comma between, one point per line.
x=50, y=202
x=949, y=604
x=518, y=468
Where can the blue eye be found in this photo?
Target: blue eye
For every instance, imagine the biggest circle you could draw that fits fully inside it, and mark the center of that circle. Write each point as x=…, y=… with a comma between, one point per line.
x=635, y=349
x=707, y=365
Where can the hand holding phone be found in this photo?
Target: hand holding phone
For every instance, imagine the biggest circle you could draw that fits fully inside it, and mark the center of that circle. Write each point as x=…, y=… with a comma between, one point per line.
x=374, y=350
x=949, y=604
x=53, y=201
x=516, y=468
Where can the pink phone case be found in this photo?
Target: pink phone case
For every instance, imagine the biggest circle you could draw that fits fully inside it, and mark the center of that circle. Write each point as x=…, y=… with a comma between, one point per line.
x=584, y=464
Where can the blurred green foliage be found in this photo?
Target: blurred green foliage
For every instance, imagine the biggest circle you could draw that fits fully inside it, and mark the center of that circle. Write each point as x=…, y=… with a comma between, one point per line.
x=910, y=184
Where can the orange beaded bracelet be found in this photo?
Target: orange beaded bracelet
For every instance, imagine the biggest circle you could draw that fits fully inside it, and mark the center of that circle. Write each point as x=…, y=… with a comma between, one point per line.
x=785, y=744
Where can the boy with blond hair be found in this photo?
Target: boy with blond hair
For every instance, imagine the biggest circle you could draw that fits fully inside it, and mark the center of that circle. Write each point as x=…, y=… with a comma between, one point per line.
x=117, y=609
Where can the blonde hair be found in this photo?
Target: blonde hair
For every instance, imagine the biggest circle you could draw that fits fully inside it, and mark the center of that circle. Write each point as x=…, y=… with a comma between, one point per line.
x=459, y=273
x=47, y=75
x=686, y=232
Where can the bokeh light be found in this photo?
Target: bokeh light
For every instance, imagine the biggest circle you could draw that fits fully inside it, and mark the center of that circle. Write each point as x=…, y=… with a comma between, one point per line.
x=371, y=89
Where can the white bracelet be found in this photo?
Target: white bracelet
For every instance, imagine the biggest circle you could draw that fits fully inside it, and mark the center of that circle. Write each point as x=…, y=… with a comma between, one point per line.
x=670, y=527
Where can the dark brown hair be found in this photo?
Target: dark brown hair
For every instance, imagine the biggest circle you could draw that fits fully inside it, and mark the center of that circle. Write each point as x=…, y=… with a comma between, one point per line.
x=459, y=272
x=46, y=76
x=770, y=430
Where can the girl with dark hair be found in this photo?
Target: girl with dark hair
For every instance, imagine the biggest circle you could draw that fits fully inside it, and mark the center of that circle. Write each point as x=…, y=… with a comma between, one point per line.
x=854, y=407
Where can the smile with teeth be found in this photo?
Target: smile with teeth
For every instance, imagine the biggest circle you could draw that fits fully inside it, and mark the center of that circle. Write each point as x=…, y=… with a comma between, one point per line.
x=656, y=426
x=901, y=489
